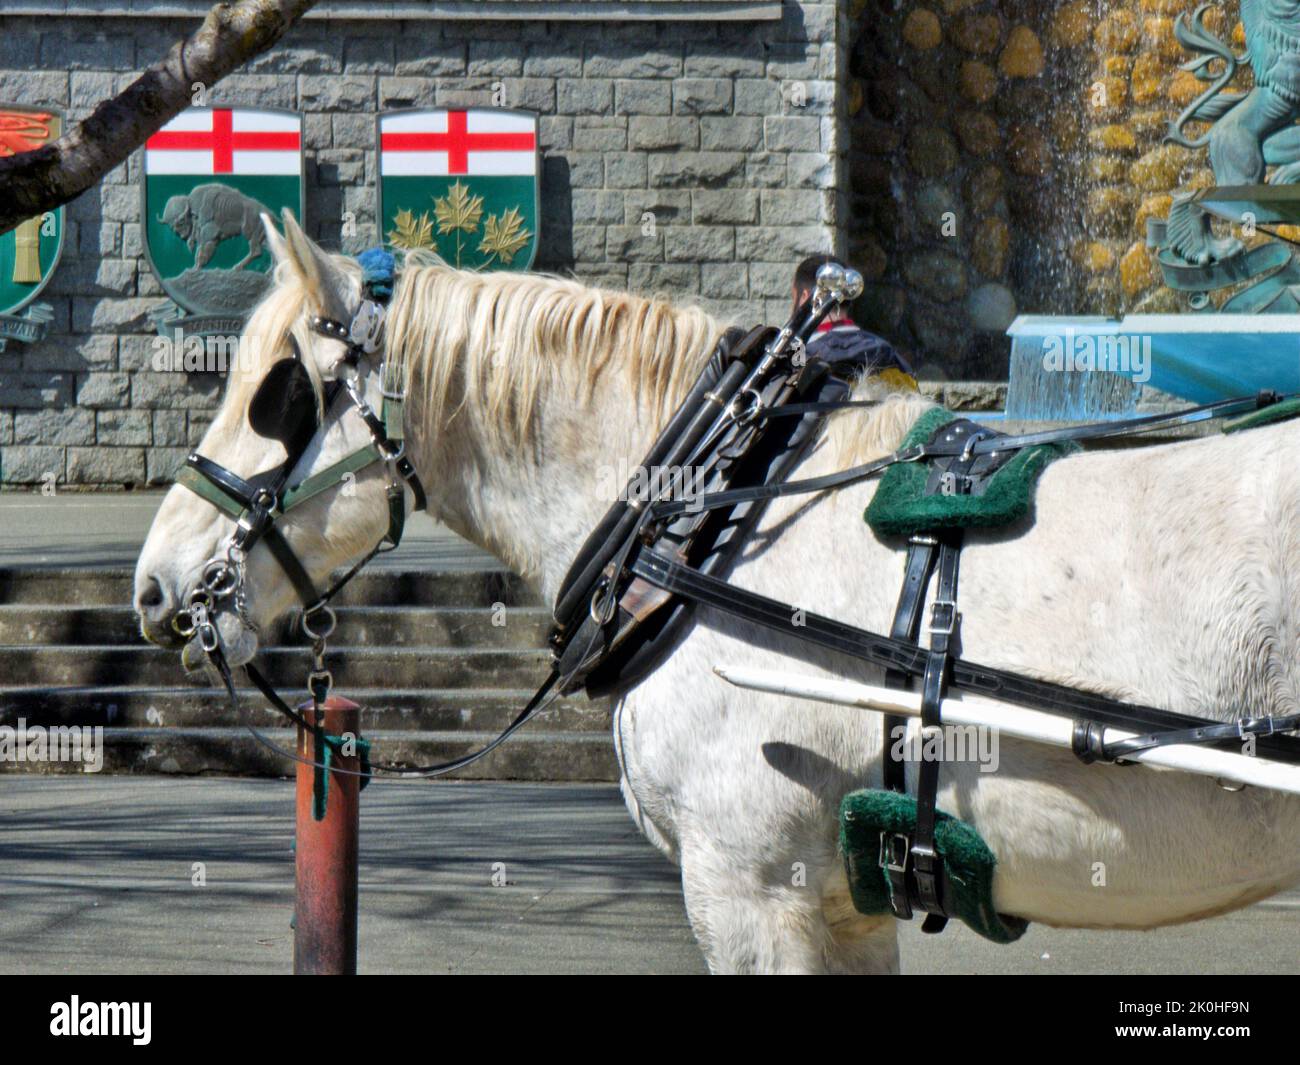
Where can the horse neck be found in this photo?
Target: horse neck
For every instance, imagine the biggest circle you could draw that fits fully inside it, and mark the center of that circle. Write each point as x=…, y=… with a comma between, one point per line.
x=533, y=508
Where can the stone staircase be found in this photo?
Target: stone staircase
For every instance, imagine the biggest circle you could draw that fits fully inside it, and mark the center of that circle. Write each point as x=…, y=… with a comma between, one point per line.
x=439, y=660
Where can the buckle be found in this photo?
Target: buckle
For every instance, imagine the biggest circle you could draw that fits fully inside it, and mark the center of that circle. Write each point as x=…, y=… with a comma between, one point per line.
x=943, y=608
x=895, y=851
x=752, y=403
x=319, y=683
x=600, y=603
x=387, y=376
x=928, y=853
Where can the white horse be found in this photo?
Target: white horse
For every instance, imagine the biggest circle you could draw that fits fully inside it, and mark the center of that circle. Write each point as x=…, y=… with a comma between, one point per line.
x=1169, y=576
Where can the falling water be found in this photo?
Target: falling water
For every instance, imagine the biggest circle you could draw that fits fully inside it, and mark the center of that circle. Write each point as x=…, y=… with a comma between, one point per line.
x=1094, y=202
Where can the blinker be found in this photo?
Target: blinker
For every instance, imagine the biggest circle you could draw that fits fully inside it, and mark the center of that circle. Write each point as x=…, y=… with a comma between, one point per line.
x=284, y=406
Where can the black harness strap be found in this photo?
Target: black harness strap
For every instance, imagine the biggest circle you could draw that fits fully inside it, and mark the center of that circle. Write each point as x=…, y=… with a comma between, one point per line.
x=1088, y=745
x=927, y=865
x=293, y=568
x=540, y=700
x=889, y=653
x=906, y=627
x=963, y=446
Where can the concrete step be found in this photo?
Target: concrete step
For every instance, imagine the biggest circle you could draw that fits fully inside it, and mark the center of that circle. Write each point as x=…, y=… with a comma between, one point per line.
x=531, y=754
x=83, y=586
x=370, y=626
x=57, y=666
x=383, y=709
x=440, y=660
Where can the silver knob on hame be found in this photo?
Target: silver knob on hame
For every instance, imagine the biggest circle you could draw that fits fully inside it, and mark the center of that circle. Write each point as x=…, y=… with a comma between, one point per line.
x=830, y=280
x=852, y=284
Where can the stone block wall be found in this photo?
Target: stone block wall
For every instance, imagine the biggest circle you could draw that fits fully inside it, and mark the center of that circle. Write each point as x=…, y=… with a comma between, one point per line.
x=695, y=157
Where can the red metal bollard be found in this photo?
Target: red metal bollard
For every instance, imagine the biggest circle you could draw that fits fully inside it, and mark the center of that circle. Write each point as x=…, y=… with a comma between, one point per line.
x=325, y=875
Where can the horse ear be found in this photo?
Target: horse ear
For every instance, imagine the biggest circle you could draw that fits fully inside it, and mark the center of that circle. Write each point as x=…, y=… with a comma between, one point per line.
x=279, y=249
x=324, y=281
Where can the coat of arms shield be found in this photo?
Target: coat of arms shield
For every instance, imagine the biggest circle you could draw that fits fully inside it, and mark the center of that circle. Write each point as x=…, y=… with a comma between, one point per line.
x=462, y=183
x=29, y=253
x=209, y=174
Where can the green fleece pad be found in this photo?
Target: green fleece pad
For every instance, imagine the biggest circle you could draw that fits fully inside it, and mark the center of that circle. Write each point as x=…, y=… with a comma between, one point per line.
x=1276, y=412
x=900, y=506
x=864, y=815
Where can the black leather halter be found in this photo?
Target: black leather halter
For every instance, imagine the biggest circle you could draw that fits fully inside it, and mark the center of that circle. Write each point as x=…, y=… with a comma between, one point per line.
x=284, y=409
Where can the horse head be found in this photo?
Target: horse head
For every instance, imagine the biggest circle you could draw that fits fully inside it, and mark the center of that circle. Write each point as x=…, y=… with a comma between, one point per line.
x=293, y=479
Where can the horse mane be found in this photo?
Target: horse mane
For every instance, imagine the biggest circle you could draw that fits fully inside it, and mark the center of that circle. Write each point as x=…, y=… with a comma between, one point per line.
x=486, y=346
x=859, y=436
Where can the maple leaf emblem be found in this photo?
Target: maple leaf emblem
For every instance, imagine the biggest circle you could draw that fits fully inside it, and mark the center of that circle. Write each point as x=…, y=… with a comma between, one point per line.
x=505, y=236
x=458, y=210
x=411, y=232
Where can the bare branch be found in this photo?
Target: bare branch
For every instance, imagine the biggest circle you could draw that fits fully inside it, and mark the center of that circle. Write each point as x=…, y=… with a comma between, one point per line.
x=48, y=177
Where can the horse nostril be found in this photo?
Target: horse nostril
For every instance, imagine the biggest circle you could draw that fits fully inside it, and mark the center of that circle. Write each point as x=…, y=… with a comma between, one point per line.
x=151, y=598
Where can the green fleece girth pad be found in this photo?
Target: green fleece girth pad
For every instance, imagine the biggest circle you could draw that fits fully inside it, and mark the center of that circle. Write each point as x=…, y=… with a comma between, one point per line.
x=969, y=863
x=1275, y=412
x=901, y=507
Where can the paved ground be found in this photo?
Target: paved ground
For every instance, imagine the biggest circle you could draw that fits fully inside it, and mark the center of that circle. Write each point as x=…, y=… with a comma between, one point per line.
x=95, y=877
x=95, y=872
x=73, y=529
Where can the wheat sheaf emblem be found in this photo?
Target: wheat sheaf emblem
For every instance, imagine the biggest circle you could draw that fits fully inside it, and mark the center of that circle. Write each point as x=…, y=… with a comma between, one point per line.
x=461, y=214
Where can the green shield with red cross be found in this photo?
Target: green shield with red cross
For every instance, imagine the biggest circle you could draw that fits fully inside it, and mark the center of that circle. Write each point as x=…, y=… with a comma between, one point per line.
x=462, y=183
x=209, y=174
x=29, y=253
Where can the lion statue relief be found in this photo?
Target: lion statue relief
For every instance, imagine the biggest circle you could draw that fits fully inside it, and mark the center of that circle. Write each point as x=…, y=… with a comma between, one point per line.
x=1251, y=130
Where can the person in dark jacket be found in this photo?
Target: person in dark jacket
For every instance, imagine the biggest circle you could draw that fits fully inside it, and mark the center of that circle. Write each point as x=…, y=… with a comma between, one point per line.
x=847, y=347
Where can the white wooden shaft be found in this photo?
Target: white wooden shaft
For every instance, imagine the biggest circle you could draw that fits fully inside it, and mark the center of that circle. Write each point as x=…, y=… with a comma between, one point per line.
x=1033, y=725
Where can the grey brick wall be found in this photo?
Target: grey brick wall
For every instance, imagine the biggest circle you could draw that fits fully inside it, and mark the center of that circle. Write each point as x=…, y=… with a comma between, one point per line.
x=698, y=158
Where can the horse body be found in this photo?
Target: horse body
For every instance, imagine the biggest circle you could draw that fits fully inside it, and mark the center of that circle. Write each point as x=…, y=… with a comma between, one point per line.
x=743, y=788
x=1167, y=576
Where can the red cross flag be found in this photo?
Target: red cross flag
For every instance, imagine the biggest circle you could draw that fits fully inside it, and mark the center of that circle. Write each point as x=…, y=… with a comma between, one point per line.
x=225, y=140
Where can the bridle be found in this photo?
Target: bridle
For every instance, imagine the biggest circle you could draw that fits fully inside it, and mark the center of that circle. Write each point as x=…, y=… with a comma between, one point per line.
x=284, y=408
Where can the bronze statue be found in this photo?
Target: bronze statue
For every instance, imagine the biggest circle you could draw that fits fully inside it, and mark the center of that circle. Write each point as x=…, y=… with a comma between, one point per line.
x=1252, y=131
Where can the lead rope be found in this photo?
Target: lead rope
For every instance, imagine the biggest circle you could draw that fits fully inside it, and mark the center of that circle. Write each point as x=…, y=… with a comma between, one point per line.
x=320, y=682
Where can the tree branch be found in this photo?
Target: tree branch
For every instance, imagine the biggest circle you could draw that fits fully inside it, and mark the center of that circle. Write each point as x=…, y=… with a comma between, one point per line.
x=48, y=177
